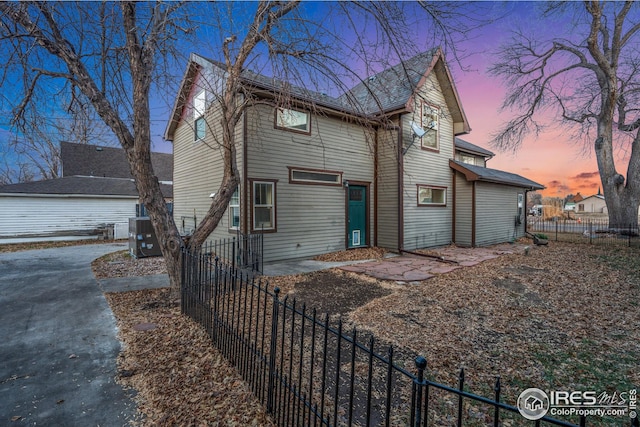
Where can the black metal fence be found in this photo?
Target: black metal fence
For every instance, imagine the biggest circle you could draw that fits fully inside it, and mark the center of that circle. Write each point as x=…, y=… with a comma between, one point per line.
x=309, y=370
x=242, y=251
x=595, y=231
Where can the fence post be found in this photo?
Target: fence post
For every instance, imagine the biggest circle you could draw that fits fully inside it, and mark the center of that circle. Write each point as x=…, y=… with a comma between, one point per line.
x=272, y=351
x=421, y=364
x=590, y=232
x=496, y=412
x=556, y=223
x=461, y=388
x=233, y=255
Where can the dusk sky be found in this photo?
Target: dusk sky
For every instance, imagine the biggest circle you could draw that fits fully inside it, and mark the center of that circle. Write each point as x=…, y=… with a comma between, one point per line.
x=552, y=159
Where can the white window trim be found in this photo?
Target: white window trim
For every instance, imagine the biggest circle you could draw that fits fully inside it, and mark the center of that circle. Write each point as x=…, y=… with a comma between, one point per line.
x=280, y=125
x=233, y=206
x=419, y=187
x=199, y=109
x=431, y=126
x=272, y=205
x=336, y=182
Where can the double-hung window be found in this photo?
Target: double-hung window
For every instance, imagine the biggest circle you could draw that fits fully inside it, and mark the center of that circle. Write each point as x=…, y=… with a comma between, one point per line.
x=263, y=205
x=430, y=123
x=234, y=210
x=199, y=106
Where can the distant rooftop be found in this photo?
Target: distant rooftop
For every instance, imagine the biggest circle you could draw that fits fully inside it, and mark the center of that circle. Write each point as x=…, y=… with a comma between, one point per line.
x=81, y=185
x=110, y=162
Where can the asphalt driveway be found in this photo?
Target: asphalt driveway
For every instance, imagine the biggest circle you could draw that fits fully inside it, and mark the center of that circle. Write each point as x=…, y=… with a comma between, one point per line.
x=58, y=343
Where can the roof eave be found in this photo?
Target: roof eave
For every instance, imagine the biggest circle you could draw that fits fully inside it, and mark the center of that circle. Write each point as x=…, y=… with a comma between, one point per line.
x=472, y=176
x=461, y=127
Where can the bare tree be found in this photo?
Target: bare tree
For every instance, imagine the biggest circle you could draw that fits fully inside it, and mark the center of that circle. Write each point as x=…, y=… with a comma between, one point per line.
x=113, y=53
x=588, y=80
x=107, y=53
x=37, y=136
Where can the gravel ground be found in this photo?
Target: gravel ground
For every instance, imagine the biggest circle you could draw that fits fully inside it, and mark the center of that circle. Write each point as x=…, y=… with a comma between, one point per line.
x=564, y=316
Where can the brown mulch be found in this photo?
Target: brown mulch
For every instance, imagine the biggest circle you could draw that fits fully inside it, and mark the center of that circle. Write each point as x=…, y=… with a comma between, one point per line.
x=179, y=376
x=564, y=316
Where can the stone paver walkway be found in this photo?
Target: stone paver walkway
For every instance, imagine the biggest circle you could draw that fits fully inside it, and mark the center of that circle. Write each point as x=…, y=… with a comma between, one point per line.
x=415, y=268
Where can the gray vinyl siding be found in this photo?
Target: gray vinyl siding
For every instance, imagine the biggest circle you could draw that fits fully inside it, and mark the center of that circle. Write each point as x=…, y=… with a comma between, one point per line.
x=24, y=216
x=464, y=211
x=428, y=226
x=496, y=210
x=198, y=172
x=388, y=189
x=310, y=219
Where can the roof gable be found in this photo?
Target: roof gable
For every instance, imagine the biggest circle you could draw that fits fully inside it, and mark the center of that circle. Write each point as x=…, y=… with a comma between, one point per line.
x=390, y=90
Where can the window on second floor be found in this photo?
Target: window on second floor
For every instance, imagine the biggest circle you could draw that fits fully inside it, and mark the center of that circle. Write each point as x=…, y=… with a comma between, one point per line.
x=431, y=124
x=293, y=120
x=466, y=158
x=199, y=106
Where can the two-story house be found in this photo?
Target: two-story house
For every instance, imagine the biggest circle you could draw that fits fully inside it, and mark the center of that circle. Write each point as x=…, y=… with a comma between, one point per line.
x=376, y=166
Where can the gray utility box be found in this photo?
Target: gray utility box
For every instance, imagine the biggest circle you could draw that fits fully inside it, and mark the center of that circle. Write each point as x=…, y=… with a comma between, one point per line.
x=142, y=239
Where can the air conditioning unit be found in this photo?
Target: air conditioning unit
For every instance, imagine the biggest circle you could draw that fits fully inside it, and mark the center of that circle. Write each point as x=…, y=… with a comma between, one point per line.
x=142, y=239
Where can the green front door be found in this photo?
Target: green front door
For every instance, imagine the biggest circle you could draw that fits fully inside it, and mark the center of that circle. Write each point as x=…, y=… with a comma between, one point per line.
x=357, y=216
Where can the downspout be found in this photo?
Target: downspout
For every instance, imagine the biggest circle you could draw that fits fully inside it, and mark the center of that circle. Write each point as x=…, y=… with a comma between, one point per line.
x=375, y=187
x=524, y=207
x=400, y=188
x=244, y=212
x=453, y=210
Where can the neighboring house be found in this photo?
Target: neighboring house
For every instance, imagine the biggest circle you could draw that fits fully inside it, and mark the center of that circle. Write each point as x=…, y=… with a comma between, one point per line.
x=592, y=204
x=95, y=192
x=316, y=177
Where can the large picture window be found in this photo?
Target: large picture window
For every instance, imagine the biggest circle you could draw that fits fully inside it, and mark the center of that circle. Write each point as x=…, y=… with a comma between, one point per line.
x=293, y=120
x=263, y=205
x=431, y=123
x=432, y=196
x=234, y=210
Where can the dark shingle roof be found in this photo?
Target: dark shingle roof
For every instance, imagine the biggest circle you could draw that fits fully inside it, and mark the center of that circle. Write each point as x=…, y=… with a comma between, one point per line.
x=81, y=185
x=472, y=148
x=93, y=160
x=479, y=173
x=391, y=88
